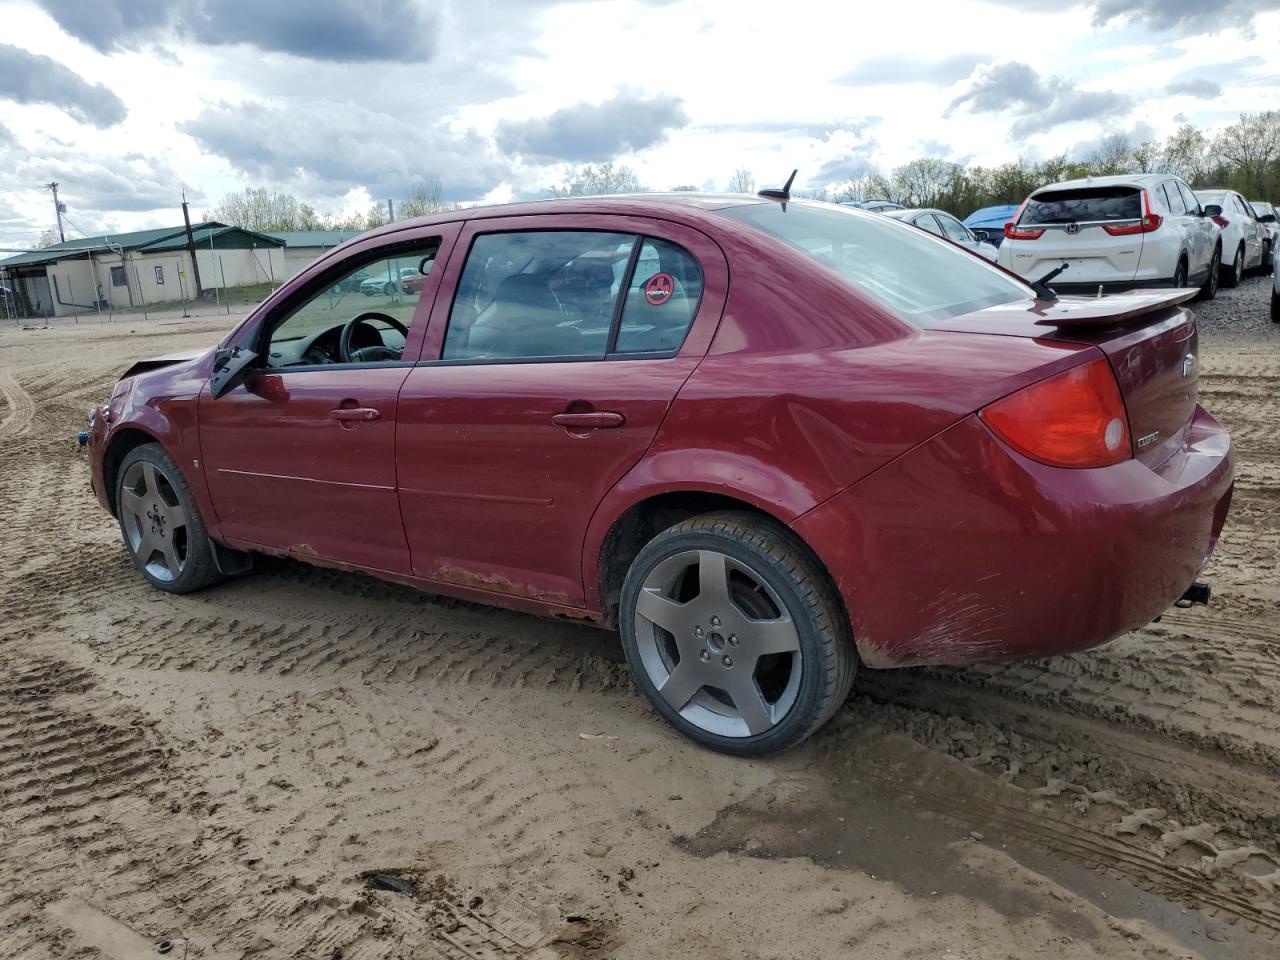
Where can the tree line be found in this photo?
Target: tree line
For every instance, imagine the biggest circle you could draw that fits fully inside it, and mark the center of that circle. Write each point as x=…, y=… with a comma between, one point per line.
x=1244, y=156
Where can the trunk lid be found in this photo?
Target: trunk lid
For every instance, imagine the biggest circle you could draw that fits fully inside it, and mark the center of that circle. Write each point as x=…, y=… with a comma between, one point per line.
x=1073, y=223
x=1149, y=339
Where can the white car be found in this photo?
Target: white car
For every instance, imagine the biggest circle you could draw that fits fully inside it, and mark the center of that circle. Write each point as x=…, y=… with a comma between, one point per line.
x=1242, y=234
x=386, y=284
x=1115, y=233
x=944, y=225
x=1266, y=214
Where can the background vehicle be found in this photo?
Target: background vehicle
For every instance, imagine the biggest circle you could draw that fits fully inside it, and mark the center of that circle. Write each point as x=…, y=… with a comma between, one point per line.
x=942, y=224
x=1242, y=234
x=768, y=441
x=353, y=282
x=1115, y=233
x=1266, y=214
x=387, y=281
x=875, y=206
x=988, y=223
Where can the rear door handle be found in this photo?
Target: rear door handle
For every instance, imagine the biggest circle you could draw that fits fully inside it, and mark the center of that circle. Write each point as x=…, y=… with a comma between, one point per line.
x=594, y=420
x=354, y=414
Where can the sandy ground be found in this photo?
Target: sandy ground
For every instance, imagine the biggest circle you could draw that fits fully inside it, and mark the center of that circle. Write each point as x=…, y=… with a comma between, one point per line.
x=230, y=771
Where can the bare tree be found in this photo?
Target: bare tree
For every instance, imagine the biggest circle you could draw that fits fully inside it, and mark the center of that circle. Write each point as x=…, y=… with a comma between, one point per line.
x=591, y=181
x=1113, y=155
x=47, y=239
x=1250, y=145
x=922, y=182
x=1185, y=154
x=742, y=181
x=1147, y=157
x=426, y=198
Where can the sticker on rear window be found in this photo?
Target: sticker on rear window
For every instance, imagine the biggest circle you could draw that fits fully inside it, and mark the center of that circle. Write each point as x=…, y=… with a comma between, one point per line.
x=658, y=289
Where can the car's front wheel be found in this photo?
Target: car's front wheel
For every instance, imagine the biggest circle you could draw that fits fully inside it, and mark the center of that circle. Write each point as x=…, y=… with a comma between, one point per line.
x=735, y=634
x=161, y=525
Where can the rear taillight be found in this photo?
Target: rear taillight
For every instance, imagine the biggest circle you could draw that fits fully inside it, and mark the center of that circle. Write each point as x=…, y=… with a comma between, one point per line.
x=1014, y=232
x=1073, y=419
x=1221, y=221
x=1150, y=221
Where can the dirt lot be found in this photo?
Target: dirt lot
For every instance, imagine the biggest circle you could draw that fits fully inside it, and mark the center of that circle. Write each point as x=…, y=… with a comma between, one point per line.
x=231, y=770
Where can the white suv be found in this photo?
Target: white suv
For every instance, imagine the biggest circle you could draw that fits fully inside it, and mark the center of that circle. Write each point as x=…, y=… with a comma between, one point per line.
x=1242, y=234
x=1115, y=233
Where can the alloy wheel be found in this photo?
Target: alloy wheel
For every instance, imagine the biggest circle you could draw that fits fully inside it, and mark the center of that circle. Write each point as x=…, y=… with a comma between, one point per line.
x=1215, y=269
x=1238, y=266
x=718, y=643
x=154, y=521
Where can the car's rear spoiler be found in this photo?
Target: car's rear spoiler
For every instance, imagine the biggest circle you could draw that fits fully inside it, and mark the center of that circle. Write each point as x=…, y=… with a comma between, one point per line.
x=1110, y=310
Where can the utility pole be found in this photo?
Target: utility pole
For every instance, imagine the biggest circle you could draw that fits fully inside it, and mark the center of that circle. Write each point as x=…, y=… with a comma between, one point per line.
x=59, y=208
x=191, y=246
x=391, y=211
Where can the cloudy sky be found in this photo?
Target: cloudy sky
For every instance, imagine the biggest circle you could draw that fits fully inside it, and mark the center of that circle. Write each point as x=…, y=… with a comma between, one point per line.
x=341, y=102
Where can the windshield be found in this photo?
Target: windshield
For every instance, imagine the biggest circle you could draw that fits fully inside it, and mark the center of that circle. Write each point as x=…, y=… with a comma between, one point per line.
x=923, y=279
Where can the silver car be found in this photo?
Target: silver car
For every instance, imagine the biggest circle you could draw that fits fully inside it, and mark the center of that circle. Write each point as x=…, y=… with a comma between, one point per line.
x=942, y=224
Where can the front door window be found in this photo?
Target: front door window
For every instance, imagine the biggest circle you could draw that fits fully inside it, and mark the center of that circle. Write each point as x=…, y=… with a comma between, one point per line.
x=362, y=316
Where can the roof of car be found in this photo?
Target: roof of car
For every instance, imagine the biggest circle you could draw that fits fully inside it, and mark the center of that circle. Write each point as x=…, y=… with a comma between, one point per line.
x=682, y=204
x=1117, y=180
x=908, y=211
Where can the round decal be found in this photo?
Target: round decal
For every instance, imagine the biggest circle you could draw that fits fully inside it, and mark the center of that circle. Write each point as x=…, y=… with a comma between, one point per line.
x=658, y=289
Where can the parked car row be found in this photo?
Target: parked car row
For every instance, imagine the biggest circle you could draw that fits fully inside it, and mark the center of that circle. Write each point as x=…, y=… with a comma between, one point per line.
x=1124, y=232
x=1114, y=233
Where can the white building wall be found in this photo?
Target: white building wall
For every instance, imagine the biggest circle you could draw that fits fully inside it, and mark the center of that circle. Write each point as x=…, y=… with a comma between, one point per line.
x=297, y=259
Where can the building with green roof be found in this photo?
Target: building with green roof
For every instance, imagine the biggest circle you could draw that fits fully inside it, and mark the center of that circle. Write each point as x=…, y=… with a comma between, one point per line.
x=140, y=268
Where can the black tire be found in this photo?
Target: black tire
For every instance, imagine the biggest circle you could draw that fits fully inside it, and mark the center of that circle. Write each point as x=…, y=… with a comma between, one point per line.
x=1209, y=289
x=1180, y=274
x=192, y=547
x=825, y=657
x=1275, y=306
x=1232, y=274
x=1267, y=264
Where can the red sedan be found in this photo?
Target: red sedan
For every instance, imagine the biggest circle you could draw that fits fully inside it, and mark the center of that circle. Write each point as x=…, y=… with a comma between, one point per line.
x=768, y=441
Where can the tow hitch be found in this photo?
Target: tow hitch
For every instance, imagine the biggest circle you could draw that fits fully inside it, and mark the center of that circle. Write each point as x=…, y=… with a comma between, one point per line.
x=1196, y=593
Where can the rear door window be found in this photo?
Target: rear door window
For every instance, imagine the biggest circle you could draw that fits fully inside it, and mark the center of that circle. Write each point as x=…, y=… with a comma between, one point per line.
x=954, y=229
x=1083, y=205
x=1173, y=198
x=927, y=221
x=1189, y=198
x=661, y=300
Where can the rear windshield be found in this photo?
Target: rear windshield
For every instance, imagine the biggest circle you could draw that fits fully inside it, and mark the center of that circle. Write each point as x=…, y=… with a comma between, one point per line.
x=1083, y=205
x=922, y=278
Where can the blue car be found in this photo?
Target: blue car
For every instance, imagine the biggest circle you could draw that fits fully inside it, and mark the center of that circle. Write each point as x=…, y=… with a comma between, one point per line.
x=991, y=221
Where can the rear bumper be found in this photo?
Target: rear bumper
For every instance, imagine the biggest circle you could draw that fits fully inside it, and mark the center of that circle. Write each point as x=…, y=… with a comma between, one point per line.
x=963, y=551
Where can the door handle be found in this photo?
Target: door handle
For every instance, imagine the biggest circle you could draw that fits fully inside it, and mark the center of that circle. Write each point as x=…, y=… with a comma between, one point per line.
x=593, y=420
x=354, y=414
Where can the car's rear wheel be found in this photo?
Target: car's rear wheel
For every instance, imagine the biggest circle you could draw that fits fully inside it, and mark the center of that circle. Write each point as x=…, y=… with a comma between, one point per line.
x=160, y=523
x=735, y=634
x=1209, y=289
x=1236, y=271
x=1180, y=275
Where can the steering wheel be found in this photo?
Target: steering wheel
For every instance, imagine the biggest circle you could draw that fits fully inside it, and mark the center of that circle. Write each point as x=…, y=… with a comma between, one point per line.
x=368, y=354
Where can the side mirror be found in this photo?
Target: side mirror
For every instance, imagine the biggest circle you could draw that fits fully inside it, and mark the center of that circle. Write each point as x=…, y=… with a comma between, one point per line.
x=230, y=364
x=981, y=235
x=1211, y=210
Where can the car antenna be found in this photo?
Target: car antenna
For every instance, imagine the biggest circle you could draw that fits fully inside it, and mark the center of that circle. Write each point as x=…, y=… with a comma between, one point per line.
x=1041, y=286
x=773, y=193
